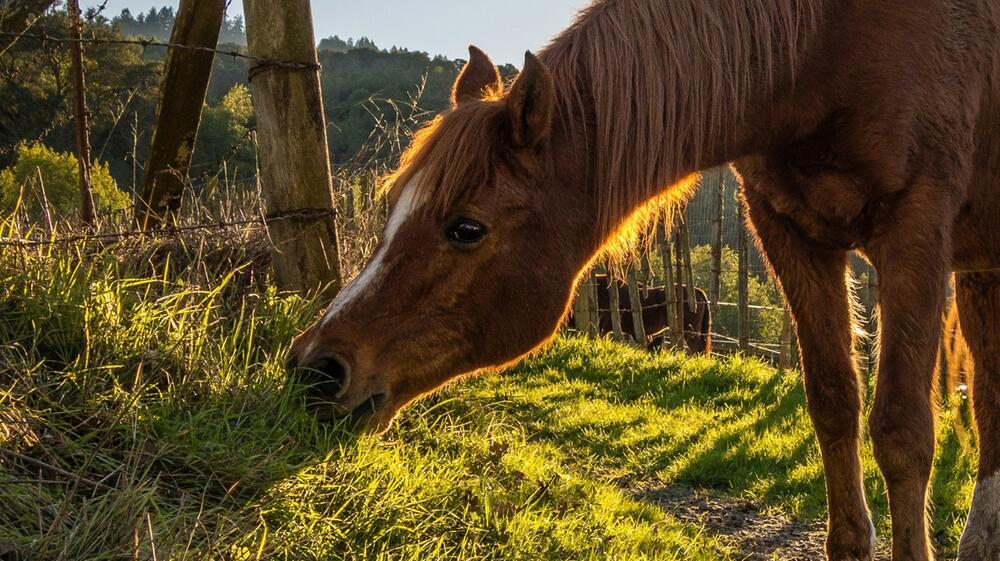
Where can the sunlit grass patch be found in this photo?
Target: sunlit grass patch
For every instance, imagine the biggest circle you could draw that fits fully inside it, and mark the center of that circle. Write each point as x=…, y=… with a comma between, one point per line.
x=731, y=425
x=151, y=419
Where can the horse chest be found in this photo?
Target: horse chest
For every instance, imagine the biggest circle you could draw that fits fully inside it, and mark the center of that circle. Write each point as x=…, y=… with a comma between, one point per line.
x=830, y=205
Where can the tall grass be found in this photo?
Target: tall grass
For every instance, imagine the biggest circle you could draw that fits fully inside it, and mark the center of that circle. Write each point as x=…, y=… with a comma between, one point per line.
x=144, y=414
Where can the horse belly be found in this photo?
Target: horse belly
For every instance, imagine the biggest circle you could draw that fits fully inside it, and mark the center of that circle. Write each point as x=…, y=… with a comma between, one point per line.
x=976, y=238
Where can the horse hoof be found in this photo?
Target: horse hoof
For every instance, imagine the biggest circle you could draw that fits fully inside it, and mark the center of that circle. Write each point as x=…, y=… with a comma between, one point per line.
x=981, y=540
x=852, y=543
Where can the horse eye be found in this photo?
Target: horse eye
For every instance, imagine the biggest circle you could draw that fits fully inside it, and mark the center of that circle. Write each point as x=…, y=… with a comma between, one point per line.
x=466, y=232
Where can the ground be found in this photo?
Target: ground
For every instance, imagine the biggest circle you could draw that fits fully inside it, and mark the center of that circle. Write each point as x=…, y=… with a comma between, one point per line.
x=148, y=417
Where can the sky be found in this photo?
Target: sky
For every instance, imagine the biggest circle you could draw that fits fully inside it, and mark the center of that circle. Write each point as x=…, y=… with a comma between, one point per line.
x=504, y=29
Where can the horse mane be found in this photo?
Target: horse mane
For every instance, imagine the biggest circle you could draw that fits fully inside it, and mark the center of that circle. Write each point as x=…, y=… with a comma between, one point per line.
x=661, y=81
x=650, y=82
x=445, y=180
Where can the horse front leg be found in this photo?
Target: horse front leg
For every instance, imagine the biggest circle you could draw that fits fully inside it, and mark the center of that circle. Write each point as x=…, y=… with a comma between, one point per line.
x=979, y=306
x=912, y=258
x=813, y=279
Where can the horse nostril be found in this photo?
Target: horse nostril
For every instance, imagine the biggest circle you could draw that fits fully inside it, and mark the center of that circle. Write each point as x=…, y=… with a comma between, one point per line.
x=330, y=376
x=291, y=361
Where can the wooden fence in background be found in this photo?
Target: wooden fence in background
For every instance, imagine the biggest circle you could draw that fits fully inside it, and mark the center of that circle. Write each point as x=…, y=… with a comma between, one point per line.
x=724, y=233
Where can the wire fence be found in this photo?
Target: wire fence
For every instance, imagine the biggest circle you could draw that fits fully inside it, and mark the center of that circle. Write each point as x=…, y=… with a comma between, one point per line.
x=359, y=218
x=301, y=215
x=203, y=170
x=259, y=64
x=710, y=248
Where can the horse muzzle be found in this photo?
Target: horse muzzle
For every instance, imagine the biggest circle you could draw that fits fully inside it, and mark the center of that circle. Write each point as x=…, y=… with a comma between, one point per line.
x=331, y=396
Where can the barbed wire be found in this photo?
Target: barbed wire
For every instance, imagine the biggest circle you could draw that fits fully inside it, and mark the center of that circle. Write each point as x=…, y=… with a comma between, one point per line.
x=260, y=64
x=95, y=12
x=110, y=236
x=299, y=215
x=227, y=155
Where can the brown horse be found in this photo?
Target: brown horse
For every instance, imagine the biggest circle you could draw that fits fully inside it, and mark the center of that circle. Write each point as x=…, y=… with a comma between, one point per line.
x=697, y=319
x=857, y=125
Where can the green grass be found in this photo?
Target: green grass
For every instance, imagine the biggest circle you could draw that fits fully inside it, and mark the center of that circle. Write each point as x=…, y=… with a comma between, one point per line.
x=730, y=425
x=147, y=413
x=150, y=415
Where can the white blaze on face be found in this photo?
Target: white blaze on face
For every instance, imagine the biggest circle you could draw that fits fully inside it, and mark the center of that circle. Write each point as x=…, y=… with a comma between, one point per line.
x=409, y=201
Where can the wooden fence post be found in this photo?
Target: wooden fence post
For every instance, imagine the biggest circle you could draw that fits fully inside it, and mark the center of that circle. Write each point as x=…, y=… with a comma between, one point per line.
x=585, y=307
x=595, y=306
x=744, y=287
x=296, y=175
x=581, y=308
x=88, y=212
x=646, y=270
x=715, y=288
x=785, y=358
x=182, y=96
x=614, y=306
x=663, y=240
x=680, y=277
x=635, y=297
x=684, y=249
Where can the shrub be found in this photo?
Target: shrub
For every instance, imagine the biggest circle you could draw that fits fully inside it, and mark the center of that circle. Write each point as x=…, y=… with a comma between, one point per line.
x=59, y=175
x=766, y=323
x=223, y=127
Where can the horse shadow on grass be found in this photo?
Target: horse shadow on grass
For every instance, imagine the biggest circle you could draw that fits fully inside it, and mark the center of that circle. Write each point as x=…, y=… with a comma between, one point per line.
x=734, y=394
x=750, y=432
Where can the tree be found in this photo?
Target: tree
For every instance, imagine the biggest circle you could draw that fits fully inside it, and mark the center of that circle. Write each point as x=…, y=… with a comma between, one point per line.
x=333, y=44
x=18, y=14
x=765, y=324
x=224, y=127
x=158, y=24
x=233, y=31
x=366, y=43
x=20, y=184
x=367, y=93
x=36, y=107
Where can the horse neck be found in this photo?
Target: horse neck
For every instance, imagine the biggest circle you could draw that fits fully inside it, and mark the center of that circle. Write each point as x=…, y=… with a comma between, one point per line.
x=652, y=92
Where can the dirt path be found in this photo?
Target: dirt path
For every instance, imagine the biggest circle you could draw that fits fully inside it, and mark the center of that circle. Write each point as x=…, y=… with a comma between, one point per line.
x=755, y=534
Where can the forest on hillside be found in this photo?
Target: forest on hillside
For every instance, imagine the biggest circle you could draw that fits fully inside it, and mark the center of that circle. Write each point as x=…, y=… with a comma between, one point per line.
x=365, y=89
x=374, y=99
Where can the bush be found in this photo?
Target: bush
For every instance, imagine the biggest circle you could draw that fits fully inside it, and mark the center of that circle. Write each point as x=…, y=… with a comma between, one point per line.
x=224, y=126
x=765, y=323
x=60, y=177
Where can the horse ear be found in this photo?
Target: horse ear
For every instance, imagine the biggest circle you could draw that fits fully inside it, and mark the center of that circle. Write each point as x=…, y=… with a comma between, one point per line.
x=531, y=103
x=479, y=77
